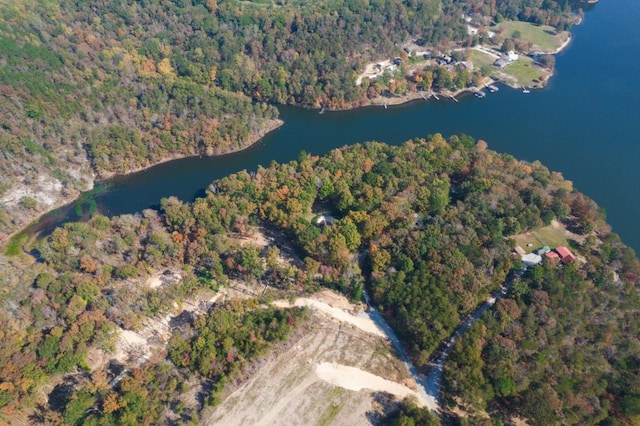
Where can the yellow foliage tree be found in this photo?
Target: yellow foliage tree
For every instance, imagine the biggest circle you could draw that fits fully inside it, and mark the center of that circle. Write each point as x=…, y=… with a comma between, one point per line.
x=165, y=68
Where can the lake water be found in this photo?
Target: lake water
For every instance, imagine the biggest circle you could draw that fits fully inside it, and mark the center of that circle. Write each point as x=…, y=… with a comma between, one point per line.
x=585, y=124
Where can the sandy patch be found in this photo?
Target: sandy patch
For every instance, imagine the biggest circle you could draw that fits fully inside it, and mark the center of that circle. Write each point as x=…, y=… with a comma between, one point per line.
x=166, y=277
x=519, y=421
x=285, y=389
x=97, y=359
x=253, y=236
x=355, y=379
x=131, y=345
x=46, y=191
x=337, y=300
x=361, y=321
x=373, y=70
x=154, y=282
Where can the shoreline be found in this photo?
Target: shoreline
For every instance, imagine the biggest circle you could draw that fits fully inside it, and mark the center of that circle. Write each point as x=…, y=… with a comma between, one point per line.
x=383, y=101
x=25, y=229
x=274, y=124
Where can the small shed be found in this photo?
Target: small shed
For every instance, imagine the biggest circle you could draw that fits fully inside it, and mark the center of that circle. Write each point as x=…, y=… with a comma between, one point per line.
x=543, y=250
x=520, y=250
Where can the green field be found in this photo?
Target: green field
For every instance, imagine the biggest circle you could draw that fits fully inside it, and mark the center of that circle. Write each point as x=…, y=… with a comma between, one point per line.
x=480, y=58
x=543, y=37
x=546, y=236
x=524, y=71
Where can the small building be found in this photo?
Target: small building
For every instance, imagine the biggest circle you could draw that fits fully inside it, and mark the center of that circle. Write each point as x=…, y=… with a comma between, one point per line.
x=565, y=254
x=543, y=250
x=552, y=256
x=512, y=56
x=520, y=250
x=467, y=64
x=531, y=259
x=501, y=62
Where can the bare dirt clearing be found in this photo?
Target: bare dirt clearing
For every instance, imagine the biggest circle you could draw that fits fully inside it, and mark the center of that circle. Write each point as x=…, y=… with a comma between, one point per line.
x=337, y=308
x=355, y=379
x=309, y=381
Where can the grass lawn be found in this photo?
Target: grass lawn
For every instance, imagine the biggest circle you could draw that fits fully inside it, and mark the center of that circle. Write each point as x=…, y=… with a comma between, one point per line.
x=524, y=71
x=480, y=58
x=544, y=37
x=546, y=236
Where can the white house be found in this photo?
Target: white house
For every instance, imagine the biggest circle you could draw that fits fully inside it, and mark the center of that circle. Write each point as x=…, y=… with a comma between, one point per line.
x=512, y=56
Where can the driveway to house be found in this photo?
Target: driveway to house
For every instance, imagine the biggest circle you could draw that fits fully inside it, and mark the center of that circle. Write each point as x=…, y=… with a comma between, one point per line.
x=430, y=386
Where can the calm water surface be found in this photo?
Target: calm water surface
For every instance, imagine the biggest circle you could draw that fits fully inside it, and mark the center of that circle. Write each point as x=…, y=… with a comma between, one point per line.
x=585, y=124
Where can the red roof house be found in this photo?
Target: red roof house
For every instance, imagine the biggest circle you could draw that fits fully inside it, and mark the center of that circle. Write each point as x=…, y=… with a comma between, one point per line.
x=565, y=254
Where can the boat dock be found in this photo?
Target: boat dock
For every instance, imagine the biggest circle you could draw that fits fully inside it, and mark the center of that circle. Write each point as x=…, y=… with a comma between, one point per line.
x=479, y=94
x=492, y=88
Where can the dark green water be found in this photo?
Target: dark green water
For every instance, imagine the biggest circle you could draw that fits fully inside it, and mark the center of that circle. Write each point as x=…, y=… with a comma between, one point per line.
x=585, y=124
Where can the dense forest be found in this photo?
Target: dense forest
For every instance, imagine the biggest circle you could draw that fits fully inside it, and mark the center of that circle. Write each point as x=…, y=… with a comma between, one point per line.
x=426, y=228
x=95, y=89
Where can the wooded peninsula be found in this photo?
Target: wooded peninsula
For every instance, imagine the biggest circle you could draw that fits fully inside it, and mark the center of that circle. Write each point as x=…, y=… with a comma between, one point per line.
x=429, y=228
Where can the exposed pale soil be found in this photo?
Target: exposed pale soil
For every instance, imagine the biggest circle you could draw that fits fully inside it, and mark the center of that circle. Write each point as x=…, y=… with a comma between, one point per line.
x=335, y=373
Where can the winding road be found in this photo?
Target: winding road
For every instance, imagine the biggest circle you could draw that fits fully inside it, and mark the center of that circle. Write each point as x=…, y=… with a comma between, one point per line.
x=430, y=386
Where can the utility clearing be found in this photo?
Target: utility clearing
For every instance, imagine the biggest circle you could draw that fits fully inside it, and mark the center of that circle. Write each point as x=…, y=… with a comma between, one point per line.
x=340, y=370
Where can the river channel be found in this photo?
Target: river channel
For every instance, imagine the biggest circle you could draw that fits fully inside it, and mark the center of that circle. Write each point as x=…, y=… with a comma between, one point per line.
x=585, y=124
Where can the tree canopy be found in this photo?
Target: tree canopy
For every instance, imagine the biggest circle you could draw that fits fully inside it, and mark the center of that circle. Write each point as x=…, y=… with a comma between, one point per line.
x=424, y=227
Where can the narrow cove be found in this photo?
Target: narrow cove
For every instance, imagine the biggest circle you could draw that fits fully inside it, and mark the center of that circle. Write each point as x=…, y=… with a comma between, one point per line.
x=584, y=125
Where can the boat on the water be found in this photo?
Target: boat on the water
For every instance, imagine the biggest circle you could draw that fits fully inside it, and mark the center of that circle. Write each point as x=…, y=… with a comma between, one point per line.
x=492, y=88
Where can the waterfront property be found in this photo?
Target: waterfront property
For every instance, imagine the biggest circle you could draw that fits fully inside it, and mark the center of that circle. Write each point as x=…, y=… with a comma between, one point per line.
x=545, y=252
x=565, y=254
x=552, y=256
x=531, y=259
